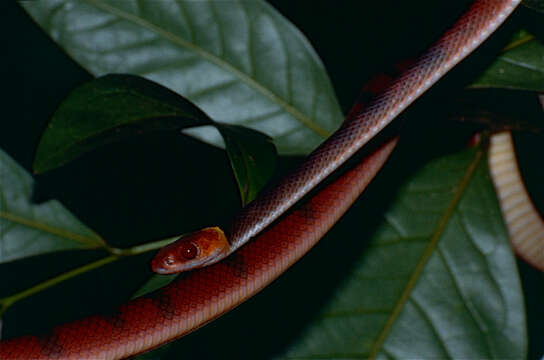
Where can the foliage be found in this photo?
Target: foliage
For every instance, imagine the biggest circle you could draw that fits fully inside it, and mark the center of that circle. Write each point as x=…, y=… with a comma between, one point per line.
x=427, y=271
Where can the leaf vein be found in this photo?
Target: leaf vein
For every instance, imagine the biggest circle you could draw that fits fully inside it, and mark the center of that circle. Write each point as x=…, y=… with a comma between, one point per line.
x=304, y=119
x=469, y=172
x=489, y=272
x=432, y=326
x=216, y=87
x=523, y=65
x=96, y=242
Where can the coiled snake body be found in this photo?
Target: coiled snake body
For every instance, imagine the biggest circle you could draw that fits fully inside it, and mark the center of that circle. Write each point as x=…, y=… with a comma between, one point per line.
x=204, y=294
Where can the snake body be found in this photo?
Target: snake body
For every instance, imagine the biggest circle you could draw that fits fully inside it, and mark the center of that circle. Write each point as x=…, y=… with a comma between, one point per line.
x=469, y=32
x=525, y=224
x=204, y=294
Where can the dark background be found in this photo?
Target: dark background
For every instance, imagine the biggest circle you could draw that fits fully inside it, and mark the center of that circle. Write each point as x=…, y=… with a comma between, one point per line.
x=137, y=190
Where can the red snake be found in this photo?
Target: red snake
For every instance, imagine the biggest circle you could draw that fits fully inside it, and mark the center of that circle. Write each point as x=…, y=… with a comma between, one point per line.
x=202, y=295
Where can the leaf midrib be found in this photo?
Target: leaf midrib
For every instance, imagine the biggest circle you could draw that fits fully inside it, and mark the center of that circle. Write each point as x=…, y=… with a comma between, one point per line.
x=429, y=250
x=307, y=121
x=522, y=64
x=95, y=242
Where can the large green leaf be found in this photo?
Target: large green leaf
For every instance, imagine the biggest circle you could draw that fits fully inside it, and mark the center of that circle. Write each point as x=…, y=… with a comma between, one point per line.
x=114, y=107
x=252, y=157
x=398, y=259
x=240, y=61
x=438, y=280
x=521, y=67
x=28, y=229
x=109, y=109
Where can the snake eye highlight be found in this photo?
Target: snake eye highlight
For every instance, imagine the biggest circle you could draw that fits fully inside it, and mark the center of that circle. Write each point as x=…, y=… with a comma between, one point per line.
x=189, y=251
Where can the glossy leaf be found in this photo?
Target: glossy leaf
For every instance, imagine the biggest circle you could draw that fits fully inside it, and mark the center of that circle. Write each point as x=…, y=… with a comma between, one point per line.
x=28, y=229
x=114, y=107
x=438, y=280
x=252, y=156
x=155, y=282
x=109, y=109
x=521, y=67
x=427, y=240
x=241, y=62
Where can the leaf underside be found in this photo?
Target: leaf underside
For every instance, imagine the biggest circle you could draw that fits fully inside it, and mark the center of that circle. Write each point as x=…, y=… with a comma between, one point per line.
x=520, y=68
x=438, y=281
x=28, y=229
x=253, y=159
x=109, y=109
x=239, y=61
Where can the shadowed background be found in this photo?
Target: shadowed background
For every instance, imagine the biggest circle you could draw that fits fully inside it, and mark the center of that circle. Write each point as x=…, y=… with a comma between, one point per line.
x=143, y=188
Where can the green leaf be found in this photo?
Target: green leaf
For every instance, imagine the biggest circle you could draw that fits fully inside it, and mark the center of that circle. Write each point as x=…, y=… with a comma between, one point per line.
x=438, y=279
x=28, y=229
x=537, y=5
x=252, y=156
x=521, y=67
x=155, y=282
x=241, y=62
x=108, y=109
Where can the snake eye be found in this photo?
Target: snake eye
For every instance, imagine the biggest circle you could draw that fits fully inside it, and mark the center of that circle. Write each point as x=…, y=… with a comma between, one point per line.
x=188, y=251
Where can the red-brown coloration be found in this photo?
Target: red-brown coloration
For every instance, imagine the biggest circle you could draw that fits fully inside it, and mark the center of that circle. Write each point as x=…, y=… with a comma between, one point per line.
x=480, y=20
x=189, y=251
x=192, y=251
x=204, y=294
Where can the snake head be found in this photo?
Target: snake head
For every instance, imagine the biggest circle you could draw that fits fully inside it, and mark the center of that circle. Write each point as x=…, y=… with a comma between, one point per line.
x=192, y=251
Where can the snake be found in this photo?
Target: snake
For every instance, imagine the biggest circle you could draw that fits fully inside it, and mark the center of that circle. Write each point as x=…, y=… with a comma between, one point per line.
x=272, y=232
x=524, y=222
